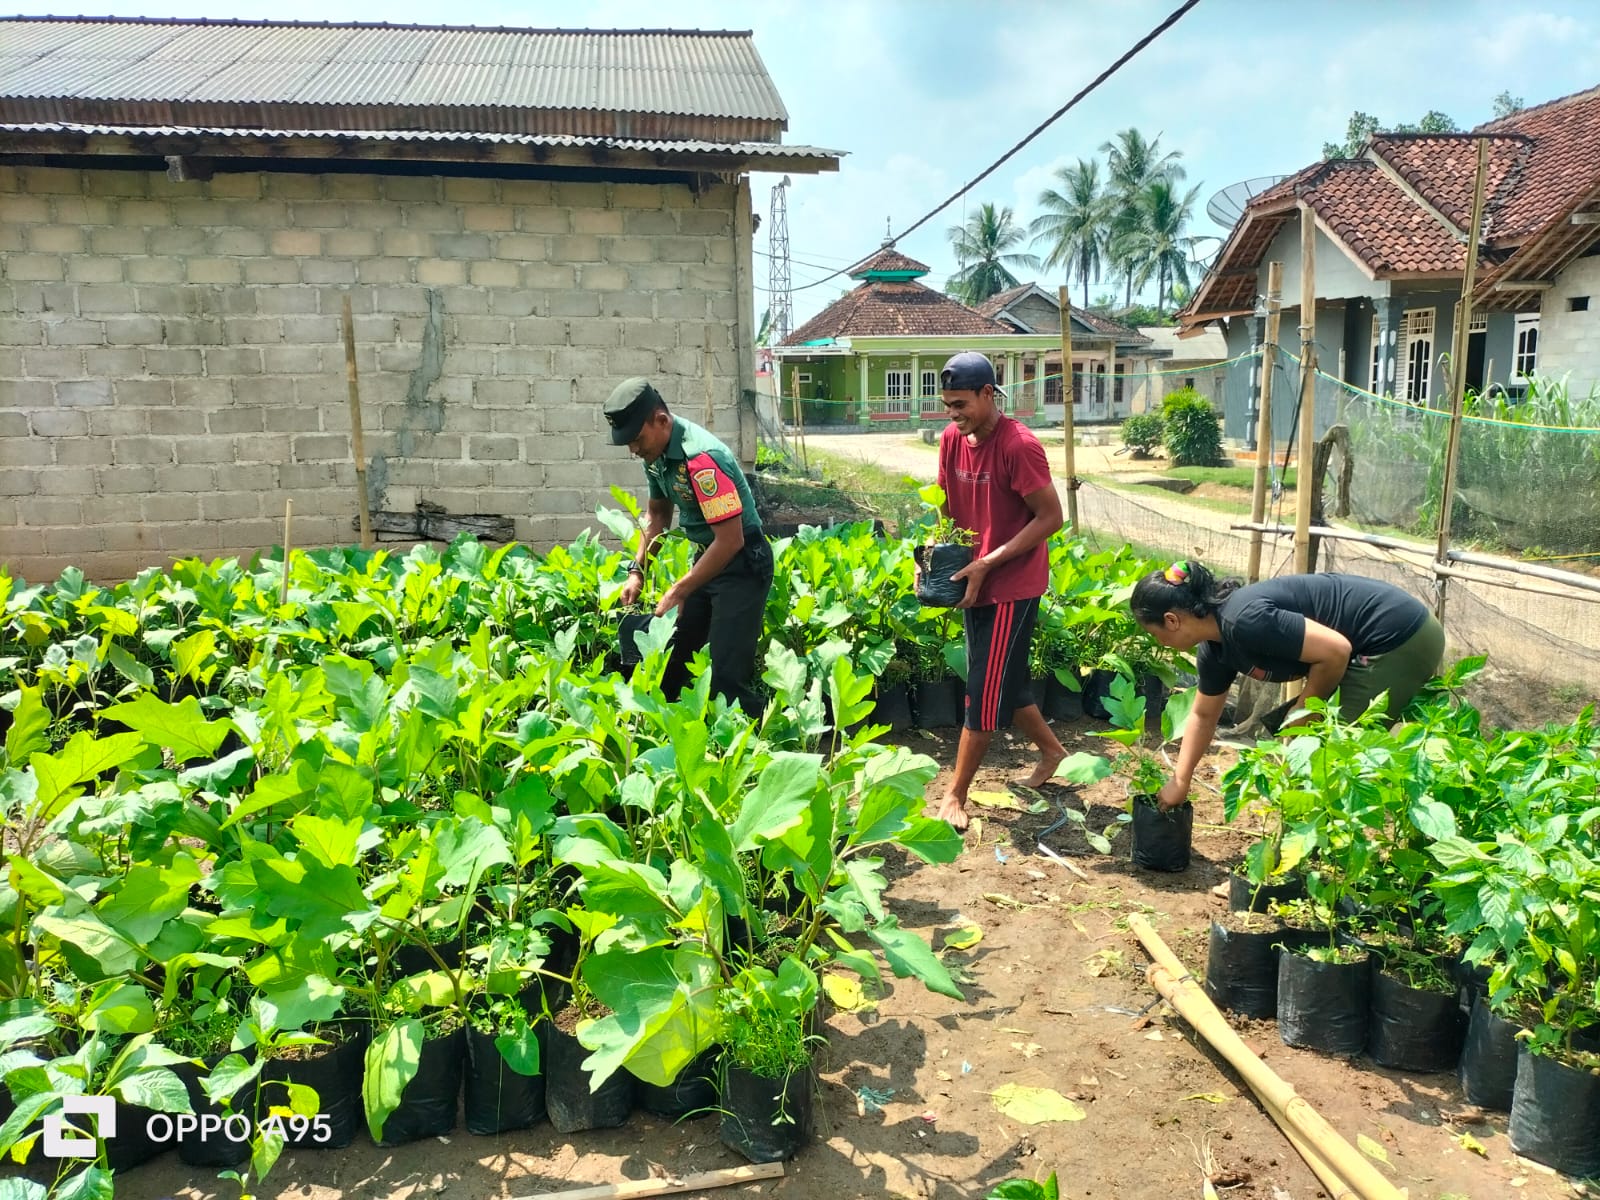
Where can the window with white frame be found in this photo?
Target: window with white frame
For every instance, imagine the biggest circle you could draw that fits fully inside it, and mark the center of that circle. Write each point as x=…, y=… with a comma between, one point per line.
x=897, y=387
x=1525, y=355
x=930, y=384
x=1416, y=330
x=1375, y=366
x=1479, y=323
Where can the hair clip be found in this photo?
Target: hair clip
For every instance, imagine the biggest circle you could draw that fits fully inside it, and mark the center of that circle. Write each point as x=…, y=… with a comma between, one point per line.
x=1178, y=572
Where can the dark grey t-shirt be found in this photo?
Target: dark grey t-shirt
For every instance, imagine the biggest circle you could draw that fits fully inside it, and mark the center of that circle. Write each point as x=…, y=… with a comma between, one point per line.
x=1264, y=625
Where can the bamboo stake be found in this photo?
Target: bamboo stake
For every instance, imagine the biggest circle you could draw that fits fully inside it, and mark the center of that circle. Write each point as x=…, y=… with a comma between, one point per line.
x=799, y=421
x=1458, y=371
x=700, y=1181
x=1308, y=388
x=1321, y=1145
x=358, y=447
x=288, y=519
x=1269, y=360
x=1069, y=433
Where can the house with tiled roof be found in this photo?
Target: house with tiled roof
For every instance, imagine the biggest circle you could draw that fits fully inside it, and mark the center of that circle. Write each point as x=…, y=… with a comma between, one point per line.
x=873, y=356
x=1390, y=252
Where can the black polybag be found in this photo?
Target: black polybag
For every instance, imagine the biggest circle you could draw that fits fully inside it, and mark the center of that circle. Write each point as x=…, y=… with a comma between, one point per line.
x=572, y=1107
x=336, y=1078
x=1489, y=1059
x=1323, y=1006
x=1555, y=1115
x=1242, y=969
x=429, y=1103
x=935, y=588
x=767, y=1120
x=213, y=1146
x=1412, y=1029
x=1161, y=837
x=499, y=1098
x=692, y=1093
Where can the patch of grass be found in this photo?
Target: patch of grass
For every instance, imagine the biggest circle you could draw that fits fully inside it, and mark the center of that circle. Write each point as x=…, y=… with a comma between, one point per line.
x=843, y=488
x=1239, y=477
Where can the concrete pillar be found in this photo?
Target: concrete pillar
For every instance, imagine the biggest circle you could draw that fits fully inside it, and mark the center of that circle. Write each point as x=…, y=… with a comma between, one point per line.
x=916, y=388
x=861, y=396
x=1012, y=382
x=1253, y=417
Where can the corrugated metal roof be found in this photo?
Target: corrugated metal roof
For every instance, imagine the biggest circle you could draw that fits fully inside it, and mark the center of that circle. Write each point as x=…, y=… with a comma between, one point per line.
x=771, y=150
x=48, y=65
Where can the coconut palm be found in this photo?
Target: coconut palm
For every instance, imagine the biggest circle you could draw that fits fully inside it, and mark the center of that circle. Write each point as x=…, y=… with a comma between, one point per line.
x=1075, y=223
x=1156, y=245
x=1134, y=164
x=986, y=248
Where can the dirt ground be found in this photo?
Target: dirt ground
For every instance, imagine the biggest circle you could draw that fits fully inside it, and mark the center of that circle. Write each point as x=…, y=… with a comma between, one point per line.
x=1051, y=993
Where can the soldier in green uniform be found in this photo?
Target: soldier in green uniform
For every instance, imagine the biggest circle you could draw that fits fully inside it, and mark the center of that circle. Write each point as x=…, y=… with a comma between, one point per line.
x=723, y=598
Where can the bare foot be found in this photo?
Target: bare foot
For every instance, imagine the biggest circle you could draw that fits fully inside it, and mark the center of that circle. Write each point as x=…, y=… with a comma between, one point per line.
x=954, y=810
x=1045, y=772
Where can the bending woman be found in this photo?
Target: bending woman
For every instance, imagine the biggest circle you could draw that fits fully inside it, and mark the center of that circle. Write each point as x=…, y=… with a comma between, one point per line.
x=1339, y=633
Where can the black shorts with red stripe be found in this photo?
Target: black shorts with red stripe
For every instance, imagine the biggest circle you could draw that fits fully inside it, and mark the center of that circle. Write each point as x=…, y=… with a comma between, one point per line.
x=998, y=638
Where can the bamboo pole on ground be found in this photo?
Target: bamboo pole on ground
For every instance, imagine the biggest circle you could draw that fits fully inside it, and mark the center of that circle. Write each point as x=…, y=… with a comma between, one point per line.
x=358, y=447
x=1269, y=361
x=1458, y=372
x=1340, y=1166
x=1069, y=433
x=1308, y=389
x=288, y=520
x=699, y=1182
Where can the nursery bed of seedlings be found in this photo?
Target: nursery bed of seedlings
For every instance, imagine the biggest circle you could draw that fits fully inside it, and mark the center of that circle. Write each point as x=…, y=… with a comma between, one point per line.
x=293, y=861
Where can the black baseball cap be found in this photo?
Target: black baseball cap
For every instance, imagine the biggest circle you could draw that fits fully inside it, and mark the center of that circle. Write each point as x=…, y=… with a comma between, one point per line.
x=968, y=371
x=629, y=407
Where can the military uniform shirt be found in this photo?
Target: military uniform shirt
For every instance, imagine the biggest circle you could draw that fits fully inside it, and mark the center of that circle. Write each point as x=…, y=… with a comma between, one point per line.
x=701, y=477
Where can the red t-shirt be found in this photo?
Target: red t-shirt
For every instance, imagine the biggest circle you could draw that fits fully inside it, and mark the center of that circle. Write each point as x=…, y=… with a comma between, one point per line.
x=984, y=486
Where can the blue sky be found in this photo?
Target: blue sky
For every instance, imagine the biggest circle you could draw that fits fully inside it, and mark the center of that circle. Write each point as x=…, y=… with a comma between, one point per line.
x=923, y=94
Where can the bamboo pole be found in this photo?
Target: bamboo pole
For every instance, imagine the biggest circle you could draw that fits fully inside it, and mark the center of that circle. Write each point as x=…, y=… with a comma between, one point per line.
x=288, y=520
x=1269, y=360
x=1308, y=389
x=799, y=420
x=1458, y=371
x=1069, y=433
x=1537, y=572
x=358, y=447
x=1337, y=1163
x=698, y=1182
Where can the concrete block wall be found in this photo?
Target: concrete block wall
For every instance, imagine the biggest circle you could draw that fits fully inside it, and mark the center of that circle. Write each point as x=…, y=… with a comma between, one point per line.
x=1569, y=342
x=172, y=366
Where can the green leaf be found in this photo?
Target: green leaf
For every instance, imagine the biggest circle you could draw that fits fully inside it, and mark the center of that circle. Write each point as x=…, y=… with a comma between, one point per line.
x=931, y=840
x=391, y=1064
x=1433, y=820
x=156, y=1088
x=92, y=1183
x=30, y=726
x=130, y=668
x=777, y=802
x=119, y=1008
x=84, y=757
x=883, y=813
x=189, y=654
x=266, y=1148
x=431, y=989
x=13, y=1188
x=330, y=841
x=467, y=848
x=664, y=1011
x=148, y=897
x=1083, y=769
x=909, y=955
x=229, y=1076
x=88, y=936
x=181, y=728
x=520, y=1049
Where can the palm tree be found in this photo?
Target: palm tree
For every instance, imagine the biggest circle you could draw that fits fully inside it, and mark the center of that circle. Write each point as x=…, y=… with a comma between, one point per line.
x=1134, y=164
x=1156, y=244
x=986, y=247
x=1074, y=223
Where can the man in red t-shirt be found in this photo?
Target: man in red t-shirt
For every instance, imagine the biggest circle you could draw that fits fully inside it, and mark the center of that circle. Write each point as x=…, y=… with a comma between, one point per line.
x=997, y=484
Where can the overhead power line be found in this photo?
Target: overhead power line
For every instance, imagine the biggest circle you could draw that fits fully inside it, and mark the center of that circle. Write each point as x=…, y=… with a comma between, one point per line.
x=1128, y=55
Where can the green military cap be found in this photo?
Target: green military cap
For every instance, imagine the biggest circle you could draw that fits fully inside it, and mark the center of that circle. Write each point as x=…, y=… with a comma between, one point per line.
x=630, y=407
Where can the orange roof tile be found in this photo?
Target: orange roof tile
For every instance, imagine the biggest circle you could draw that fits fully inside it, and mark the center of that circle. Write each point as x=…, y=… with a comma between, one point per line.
x=887, y=259
x=1562, y=166
x=1443, y=168
x=888, y=308
x=1385, y=228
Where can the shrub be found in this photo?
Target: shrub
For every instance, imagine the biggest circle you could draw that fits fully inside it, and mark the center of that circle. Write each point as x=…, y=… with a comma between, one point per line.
x=1193, y=435
x=1142, y=433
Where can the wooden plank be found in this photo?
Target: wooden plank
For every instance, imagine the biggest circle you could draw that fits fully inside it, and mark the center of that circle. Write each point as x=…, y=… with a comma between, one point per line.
x=701, y=1181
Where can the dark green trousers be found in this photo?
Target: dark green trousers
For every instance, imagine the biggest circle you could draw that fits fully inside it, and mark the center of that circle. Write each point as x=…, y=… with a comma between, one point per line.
x=728, y=615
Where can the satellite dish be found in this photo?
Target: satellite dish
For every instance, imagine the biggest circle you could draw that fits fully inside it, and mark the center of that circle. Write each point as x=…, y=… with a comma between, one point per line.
x=1227, y=206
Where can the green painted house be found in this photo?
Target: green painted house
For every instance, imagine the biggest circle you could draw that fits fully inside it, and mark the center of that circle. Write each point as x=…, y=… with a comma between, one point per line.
x=872, y=357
